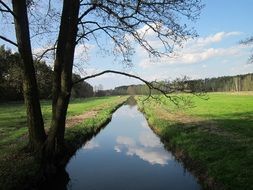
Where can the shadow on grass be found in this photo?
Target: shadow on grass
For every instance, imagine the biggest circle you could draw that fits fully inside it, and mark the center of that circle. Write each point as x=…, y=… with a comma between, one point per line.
x=219, y=151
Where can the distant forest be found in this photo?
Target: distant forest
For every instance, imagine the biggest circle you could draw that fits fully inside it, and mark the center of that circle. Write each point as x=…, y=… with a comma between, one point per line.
x=220, y=84
x=225, y=84
x=11, y=82
x=11, y=79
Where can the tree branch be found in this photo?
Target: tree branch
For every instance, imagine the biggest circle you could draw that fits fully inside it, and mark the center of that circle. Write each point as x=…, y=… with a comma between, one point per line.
x=87, y=11
x=150, y=85
x=8, y=40
x=247, y=41
x=3, y=10
x=111, y=71
x=38, y=58
x=7, y=8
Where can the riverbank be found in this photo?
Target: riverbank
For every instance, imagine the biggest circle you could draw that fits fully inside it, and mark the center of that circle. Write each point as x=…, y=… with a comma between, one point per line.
x=18, y=167
x=126, y=154
x=214, y=139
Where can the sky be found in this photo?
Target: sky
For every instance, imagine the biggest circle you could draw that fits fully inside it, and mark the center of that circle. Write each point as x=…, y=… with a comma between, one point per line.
x=215, y=52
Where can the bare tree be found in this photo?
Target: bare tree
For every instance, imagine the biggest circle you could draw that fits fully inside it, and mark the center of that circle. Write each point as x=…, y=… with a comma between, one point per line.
x=124, y=22
x=37, y=134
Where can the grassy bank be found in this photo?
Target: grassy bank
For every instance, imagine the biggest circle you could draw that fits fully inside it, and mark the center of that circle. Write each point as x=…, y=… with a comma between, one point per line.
x=17, y=166
x=214, y=138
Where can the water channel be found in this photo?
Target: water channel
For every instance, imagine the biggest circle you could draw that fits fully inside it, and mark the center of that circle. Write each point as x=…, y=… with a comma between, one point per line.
x=127, y=155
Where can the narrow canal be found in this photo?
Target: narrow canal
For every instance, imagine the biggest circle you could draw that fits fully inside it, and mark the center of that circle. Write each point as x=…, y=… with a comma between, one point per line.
x=127, y=155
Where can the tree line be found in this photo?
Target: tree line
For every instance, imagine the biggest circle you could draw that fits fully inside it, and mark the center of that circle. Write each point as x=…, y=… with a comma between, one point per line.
x=224, y=84
x=219, y=84
x=11, y=79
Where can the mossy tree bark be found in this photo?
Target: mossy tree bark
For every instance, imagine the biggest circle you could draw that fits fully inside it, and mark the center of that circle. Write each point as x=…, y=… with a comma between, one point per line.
x=37, y=134
x=62, y=80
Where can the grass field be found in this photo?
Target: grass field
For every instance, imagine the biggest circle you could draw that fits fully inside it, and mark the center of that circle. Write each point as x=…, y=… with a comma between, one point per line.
x=215, y=134
x=17, y=166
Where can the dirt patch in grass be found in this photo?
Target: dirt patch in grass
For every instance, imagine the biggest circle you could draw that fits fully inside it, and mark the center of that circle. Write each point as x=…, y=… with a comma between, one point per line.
x=77, y=119
x=176, y=116
x=188, y=122
x=245, y=93
x=74, y=120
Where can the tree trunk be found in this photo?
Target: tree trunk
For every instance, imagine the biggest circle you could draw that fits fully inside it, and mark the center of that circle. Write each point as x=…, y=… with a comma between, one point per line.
x=37, y=134
x=62, y=80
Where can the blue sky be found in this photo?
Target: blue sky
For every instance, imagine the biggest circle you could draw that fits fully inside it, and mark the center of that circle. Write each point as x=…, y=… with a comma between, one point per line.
x=215, y=52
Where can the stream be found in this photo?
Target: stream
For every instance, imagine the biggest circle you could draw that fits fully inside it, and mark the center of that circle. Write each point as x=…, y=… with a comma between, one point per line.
x=127, y=155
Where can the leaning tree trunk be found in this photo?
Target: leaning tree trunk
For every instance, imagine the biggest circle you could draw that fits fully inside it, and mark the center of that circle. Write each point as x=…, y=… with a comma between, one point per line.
x=62, y=80
x=30, y=90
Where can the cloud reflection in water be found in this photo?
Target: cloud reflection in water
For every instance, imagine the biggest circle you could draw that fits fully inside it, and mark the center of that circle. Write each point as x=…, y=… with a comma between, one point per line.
x=148, y=148
x=91, y=145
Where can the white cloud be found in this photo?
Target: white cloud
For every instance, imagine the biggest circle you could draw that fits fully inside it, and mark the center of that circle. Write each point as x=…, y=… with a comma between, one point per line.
x=38, y=51
x=91, y=145
x=81, y=49
x=148, y=139
x=117, y=149
x=195, y=51
x=144, y=124
x=215, y=38
x=147, y=32
x=82, y=53
x=192, y=56
x=144, y=31
x=149, y=150
x=125, y=141
x=153, y=157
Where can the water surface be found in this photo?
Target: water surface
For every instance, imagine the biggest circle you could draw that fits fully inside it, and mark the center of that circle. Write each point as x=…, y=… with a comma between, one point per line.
x=127, y=155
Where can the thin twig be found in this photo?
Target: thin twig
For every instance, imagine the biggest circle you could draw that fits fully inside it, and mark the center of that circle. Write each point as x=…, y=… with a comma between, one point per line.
x=8, y=40
x=8, y=9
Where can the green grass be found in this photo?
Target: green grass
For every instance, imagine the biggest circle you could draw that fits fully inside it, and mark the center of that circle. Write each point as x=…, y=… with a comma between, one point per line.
x=18, y=167
x=217, y=134
x=13, y=116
